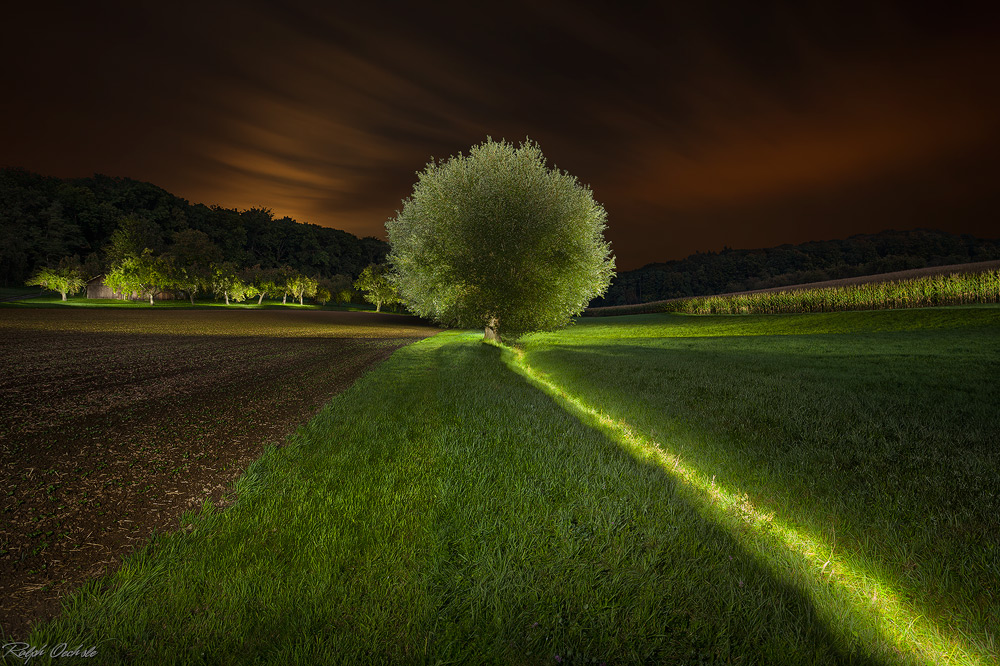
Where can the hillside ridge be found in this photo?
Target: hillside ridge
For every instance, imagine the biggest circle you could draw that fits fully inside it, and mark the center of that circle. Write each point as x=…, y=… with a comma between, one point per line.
x=44, y=219
x=738, y=271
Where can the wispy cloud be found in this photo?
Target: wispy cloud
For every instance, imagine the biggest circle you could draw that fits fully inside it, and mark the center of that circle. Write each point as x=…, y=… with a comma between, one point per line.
x=696, y=127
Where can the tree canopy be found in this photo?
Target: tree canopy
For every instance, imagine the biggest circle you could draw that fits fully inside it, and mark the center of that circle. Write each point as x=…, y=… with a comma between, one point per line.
x=299, y=285
x=377, y=286
x=498, y=240
x=142, y=275
x=65, y=279
x=227, y=282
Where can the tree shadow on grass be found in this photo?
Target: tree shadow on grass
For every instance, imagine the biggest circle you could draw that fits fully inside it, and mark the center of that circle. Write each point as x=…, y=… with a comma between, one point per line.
x=624, y=537
x=717, y=386
x=507, y=531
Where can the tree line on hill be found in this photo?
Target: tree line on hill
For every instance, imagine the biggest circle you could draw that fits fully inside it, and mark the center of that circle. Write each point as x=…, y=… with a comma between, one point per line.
x=46, y=220
x=193, y=266
x=49, y=222
x=704, y=274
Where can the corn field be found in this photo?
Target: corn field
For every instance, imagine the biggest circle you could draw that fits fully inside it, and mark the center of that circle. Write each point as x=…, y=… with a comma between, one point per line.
x=953, y=289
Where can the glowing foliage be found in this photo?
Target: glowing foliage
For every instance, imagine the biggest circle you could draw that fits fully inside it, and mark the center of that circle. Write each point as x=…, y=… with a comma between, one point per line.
x=65, y=280
x=262, y=282
x=299, y=286
x=496, y=239
x=191, y=279
x=226, y=282
x=377, y=286
x=140, y=276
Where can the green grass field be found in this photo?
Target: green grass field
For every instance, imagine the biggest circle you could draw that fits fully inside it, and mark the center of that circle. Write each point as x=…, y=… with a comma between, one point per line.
x=813, y=489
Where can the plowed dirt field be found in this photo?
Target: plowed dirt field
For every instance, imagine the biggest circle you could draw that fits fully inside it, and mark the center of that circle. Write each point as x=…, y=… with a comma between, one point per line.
x=113, y=423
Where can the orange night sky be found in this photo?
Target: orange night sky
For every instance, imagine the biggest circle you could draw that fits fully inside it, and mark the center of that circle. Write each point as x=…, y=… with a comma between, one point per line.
x=698, y=126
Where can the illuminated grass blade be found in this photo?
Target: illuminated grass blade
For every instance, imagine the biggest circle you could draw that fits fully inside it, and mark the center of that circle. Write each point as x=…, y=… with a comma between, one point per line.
x=822, y=570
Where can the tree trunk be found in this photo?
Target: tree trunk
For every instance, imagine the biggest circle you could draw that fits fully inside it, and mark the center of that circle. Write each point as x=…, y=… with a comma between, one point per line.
x=492, y=333
x=378, y=306
x=261, y=299
x=284, y=299
x=227, y=298
x=191, y=294
x=150, y=298
x=300, y=299
x=63, y=294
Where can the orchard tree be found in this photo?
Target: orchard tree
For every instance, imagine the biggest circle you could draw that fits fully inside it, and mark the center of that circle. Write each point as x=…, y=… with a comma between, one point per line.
x=194, y=255
x=192, y=280
x=283, y=280
x=66, y=279
x=264, y=282
x=143, y=275
x=340, y=287
x=344, y=296
x=250, y=290
x=498, y=240
x=299, y=286
x=251, y=283
x=377, y=286
x=336, y=284
x=227, y=282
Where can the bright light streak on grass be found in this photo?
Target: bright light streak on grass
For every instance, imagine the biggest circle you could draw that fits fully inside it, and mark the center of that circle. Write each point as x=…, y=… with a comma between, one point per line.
x=903, y=628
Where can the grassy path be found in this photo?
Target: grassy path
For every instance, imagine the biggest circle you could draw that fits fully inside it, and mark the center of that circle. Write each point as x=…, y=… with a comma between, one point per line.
x=446, y=509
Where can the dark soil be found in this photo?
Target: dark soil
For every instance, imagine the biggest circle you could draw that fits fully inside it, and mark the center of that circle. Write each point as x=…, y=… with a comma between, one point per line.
x=109, y=436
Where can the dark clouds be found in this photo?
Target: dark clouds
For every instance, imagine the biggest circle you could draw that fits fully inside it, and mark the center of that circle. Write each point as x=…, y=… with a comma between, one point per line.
x=697, y=125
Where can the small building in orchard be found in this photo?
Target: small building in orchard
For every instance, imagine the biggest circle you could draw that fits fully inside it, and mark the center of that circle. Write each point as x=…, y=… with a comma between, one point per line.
x=97, y=289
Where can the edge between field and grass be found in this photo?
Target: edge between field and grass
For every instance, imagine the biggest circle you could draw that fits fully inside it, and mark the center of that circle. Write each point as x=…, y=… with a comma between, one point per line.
x=454, y=506
x=50, y=301
x=443, y=510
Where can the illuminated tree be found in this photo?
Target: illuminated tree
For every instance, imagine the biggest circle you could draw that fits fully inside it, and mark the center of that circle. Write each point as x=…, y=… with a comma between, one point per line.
x=142, y=275
x=227, y=283
x=283, y=280
x=337, y=284
x=299, y=286
x=192, y=280
x=377, y=286
x=498, y=240
x=66, y=279
x=262, y=282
